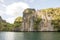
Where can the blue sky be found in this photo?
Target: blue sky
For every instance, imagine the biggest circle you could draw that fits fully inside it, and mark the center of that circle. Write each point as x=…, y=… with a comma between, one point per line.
x=10, y=9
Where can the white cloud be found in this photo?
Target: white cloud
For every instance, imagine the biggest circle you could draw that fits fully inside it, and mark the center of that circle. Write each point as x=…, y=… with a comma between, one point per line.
x=1, y=12
x=1, y=0
x=11, y=19
x=15, y=9
x=29, y=0
x=4, y=5
x=44, y=0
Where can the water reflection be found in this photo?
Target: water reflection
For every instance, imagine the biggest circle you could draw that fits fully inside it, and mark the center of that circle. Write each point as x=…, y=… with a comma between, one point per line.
x=41, y=36
x=29, y=36
x=2, y=37
x=38, y=36
x=9, y=36
x=18, y=36
x=46, y=35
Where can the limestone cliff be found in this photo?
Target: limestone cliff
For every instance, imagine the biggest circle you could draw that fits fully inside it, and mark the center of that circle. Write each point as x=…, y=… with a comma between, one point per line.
x=46, y=16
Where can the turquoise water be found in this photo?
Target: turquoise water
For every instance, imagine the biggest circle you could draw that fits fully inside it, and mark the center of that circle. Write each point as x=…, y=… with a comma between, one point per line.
x=29, y=35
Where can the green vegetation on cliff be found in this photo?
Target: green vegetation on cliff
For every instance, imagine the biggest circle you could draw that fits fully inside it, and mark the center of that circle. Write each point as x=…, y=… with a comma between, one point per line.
x=54, y=13
x=18, y=24
x=4, y=26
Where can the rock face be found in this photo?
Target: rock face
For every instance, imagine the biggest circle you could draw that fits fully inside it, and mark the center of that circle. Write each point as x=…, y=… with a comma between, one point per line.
x=45, y=24
x=1, y=20
x=29, y=15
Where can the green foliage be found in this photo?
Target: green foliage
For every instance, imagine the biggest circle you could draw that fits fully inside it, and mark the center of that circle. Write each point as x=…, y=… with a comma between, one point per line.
x=54, y=13
x=8, y=27
x=4, y=26
x=29, y=11
x=56, y=24
x=17, y=23
x=36, y=23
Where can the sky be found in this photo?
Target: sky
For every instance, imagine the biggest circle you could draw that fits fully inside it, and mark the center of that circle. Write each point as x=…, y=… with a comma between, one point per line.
x=10, y=9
